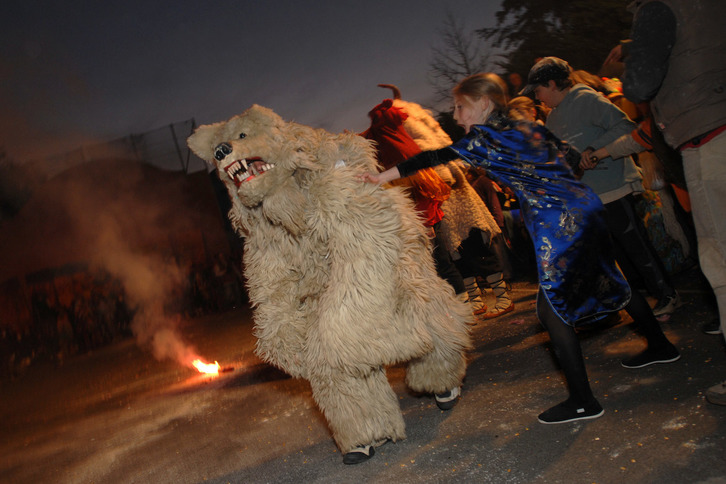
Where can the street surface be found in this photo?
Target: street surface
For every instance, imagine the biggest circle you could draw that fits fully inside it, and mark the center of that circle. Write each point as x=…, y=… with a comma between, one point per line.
x=119, y=416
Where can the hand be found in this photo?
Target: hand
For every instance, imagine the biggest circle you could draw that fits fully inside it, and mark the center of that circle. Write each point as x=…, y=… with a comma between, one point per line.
x=369, y=177
x=598, y=155
x=615, y=55
x=587, y=160
x=380, y=178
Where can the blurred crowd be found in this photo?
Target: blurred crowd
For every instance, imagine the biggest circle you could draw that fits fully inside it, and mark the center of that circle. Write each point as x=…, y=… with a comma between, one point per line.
x=663, y=204
x=78, y=310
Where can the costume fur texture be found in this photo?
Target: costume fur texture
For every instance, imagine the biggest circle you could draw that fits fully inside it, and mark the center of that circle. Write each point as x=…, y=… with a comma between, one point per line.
x=339, y=272
x=464, y=209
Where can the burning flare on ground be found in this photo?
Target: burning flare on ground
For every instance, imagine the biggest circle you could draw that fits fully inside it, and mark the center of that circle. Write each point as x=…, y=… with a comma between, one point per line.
x=207, y=368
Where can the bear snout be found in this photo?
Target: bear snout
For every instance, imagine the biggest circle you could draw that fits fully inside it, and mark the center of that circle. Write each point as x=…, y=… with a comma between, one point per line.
x=222, y=150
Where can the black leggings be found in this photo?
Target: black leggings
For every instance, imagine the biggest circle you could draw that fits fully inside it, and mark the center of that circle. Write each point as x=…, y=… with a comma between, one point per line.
x=477, y=257
x=568, y=351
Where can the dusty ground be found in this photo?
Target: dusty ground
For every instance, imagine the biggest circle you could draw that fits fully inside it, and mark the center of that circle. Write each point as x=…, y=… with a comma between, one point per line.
x=119, y=416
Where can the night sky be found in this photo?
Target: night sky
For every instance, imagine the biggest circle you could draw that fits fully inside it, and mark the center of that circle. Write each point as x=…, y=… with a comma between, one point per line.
x=81, y=72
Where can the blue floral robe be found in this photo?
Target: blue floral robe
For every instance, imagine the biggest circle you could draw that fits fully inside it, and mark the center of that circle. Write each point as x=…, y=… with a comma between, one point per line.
x=564, y=217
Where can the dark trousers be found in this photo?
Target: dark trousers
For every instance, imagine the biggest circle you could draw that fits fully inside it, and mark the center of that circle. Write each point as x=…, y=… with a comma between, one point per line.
x=445, y=266
x=478, y=257
x=634, y=251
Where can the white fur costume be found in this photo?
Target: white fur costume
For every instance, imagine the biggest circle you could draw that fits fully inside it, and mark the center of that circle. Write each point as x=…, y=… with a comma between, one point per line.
x=339, y=271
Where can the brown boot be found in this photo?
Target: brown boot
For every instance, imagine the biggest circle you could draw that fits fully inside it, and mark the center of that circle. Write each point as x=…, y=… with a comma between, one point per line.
x=504, y=303
x=475, y=299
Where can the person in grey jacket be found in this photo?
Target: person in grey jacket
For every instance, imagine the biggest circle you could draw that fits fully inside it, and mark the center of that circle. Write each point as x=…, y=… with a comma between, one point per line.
x=588, y=121
x=675, y=60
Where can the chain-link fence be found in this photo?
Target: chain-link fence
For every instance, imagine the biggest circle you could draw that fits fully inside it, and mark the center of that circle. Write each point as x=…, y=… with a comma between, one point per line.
x=163, y=148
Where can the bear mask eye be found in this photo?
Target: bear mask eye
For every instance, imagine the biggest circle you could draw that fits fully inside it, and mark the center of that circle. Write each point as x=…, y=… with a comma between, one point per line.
x=242, y=135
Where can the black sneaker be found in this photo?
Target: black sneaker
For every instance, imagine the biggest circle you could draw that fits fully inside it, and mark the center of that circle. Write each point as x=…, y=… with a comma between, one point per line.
x=359, y=454
x=714, y=327
x=650, y=356
x=447, y=400
x=568, y=411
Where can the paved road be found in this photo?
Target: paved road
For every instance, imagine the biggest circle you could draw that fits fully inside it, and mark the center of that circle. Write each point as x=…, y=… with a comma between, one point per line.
x=119, y=416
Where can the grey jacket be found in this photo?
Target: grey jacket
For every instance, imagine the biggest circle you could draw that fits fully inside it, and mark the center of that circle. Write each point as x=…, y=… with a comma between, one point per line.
x=586, y=118
x=687, y=85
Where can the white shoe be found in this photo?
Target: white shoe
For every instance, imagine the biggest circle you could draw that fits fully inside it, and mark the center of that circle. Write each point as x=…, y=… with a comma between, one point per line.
x=447, y=400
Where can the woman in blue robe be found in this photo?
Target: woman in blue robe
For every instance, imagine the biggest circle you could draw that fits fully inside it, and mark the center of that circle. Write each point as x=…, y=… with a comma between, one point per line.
x=579, y=279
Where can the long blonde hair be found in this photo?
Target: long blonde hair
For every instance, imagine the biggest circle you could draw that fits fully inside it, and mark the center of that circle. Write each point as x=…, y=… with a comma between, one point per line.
x=484, y=84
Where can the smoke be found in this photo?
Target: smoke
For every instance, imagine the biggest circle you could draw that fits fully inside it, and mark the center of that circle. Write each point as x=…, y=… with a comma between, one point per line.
x=143, y=226
x=126, y=232
x=149, y=281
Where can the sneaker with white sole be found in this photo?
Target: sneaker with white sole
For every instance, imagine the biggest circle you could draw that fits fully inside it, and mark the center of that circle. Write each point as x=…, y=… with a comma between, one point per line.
x=568, y=411
x=359, y=454
x=714, y=327
x=667, y=305
x=447, y=400
x=650, y=356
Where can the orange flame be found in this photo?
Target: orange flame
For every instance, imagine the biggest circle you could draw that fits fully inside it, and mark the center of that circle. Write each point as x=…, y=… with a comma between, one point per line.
x=208, y=368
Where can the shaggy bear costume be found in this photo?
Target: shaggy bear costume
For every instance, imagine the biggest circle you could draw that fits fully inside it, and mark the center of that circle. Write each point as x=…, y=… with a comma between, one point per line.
x=340, y=288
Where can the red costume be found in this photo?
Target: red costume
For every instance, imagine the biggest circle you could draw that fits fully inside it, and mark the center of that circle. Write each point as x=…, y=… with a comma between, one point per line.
x=394, y=145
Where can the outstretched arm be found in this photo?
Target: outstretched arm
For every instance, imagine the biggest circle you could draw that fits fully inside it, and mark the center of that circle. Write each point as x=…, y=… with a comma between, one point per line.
x=425, y=159
x=381, y=178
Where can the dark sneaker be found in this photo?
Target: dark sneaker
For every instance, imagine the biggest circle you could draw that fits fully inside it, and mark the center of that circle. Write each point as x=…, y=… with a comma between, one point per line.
x=650, y=356
x=717, y=394
x=359, y=454
x=447, y=400
x=667, y=305
x=568, y=411
x=714, y=327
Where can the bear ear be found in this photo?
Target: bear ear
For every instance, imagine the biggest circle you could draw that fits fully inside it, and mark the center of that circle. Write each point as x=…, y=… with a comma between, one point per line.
x=263, y=116
x=203, y=141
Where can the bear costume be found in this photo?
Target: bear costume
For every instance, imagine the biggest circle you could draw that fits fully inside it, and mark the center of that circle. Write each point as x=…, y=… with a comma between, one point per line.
x=339, y=273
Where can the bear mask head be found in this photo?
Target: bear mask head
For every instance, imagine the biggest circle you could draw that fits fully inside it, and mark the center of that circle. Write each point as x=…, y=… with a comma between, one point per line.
x=255, y=153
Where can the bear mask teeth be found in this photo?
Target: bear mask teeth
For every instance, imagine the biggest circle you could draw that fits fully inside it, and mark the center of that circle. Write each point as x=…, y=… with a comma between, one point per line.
x=244, y=170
